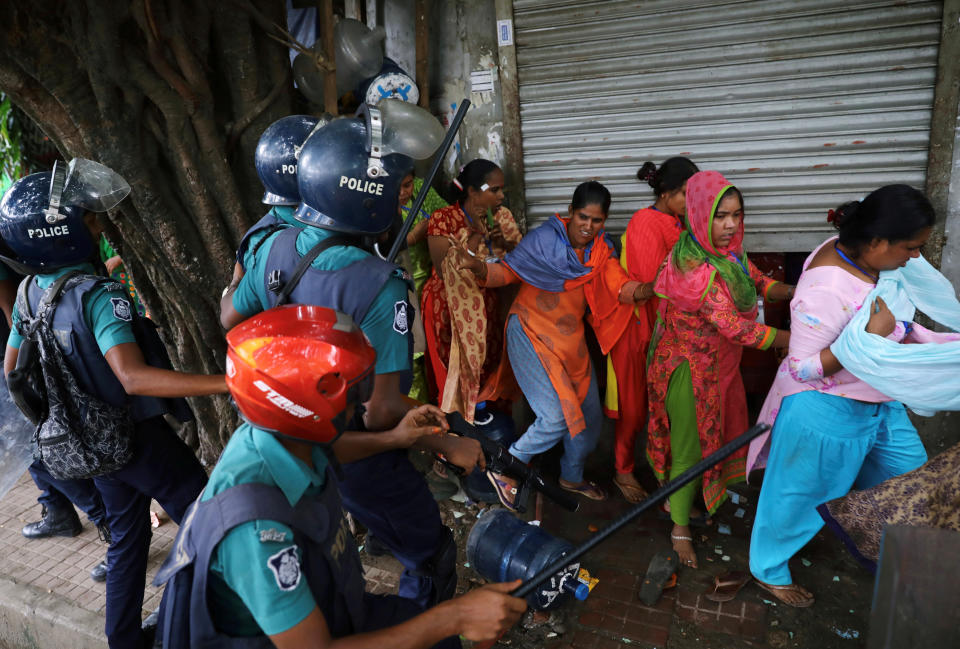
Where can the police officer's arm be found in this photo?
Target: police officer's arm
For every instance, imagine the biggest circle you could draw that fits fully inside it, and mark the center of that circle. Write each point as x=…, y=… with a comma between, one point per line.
x=10, y=359
x=229, y=316
x=387, y=405
x=127, y=362
x=8, y=293
x=416, y=423
x=481, y=615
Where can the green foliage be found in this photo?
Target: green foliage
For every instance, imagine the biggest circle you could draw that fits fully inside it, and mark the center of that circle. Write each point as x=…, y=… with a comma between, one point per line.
x=12, y=162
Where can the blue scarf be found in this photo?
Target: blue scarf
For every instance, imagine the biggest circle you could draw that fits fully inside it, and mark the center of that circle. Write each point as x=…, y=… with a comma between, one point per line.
x=545, y=259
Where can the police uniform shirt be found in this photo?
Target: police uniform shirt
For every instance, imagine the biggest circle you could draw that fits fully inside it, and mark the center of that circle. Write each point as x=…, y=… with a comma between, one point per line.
x=108, y=313
x=256, y=584
x=283, y=214
x=4, y=272
x=386, y=333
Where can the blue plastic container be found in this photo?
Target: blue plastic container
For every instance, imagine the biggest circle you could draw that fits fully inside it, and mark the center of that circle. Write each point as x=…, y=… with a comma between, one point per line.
x=501, y=547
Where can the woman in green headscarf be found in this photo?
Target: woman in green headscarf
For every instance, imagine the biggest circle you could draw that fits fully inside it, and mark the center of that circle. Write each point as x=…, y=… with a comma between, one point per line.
x=707, y=315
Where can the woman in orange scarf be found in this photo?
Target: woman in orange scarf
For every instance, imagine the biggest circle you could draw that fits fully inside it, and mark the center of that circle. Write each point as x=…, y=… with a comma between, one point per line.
x=650, y=235
x=563, y=267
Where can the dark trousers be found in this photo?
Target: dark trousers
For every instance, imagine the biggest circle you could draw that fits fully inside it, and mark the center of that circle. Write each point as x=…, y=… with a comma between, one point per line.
x=382, y=611
x=57, y=495
x=163, y=468
x=390, y=497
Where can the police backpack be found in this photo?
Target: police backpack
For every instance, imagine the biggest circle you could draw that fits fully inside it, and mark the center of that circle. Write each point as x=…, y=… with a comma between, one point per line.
x=78, y=435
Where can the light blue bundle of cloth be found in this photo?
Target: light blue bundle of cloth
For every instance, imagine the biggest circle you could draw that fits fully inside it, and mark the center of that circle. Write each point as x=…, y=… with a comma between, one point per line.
x=924, y=377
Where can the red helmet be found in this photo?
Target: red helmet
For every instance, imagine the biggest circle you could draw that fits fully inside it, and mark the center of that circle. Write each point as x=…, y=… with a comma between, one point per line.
x=294, y=370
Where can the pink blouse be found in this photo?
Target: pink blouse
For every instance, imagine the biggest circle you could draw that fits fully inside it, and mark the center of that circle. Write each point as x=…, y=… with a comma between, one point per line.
x=824, y=302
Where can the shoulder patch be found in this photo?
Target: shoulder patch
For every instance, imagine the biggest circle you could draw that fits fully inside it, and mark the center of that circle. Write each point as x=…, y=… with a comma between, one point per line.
x=285, y=566
x=400, y=317
x=272, y=534
x=121, y=309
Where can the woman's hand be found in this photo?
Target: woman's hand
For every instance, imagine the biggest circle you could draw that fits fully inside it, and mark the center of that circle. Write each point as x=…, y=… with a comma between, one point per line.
x=643, y=293
x=881, y=323
x=417, y=233
x=466, y=261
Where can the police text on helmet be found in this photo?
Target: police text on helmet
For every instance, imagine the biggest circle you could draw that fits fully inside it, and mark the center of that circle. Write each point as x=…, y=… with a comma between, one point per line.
x=282, y=402
x=362, y=186
x=43, y=233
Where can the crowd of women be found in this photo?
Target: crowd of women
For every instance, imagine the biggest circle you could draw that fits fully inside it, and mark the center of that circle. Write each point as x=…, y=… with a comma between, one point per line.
x=672, y=312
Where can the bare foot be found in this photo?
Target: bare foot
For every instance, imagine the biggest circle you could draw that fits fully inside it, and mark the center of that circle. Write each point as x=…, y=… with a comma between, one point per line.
x=682, y=540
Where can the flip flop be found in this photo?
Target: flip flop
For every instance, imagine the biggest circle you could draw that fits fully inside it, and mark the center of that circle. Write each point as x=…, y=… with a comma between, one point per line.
x=777, y=591
x=504, y=489
x=587, y=489
x=662, y=567
x=631, y=492
x=727, y=585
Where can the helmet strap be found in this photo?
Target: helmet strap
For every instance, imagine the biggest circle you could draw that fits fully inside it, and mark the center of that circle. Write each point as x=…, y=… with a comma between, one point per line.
x=375, y=168
x=58, y=179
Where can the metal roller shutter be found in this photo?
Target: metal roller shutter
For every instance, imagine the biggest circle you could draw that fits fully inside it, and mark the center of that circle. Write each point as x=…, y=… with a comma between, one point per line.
x=802, y=103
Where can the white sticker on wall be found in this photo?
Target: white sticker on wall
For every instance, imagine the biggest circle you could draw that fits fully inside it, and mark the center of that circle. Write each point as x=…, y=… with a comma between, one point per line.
x=504, y=32
x=481, y=81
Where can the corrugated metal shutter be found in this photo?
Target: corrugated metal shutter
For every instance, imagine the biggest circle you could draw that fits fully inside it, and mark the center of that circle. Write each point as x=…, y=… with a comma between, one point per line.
x=802, y=103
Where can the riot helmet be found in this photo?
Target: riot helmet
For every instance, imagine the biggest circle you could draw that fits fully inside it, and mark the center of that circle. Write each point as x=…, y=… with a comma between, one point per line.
x=294, y=370
x=42, y=215
x=276, y=157
x=350, y=170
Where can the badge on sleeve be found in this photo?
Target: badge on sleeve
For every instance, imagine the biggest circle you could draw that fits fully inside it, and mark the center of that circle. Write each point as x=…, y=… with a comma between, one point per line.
x=121, y=309
x=400, y=318
x=286, y=568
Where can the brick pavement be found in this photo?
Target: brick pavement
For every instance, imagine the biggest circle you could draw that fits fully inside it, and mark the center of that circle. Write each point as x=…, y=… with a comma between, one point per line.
x=61, y=566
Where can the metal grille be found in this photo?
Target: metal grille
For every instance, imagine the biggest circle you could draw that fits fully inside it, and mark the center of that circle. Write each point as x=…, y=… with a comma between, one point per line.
x=803, y=104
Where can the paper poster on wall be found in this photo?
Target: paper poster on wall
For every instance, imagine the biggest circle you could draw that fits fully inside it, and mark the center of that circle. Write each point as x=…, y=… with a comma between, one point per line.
x=504, y=33
x=481, y=81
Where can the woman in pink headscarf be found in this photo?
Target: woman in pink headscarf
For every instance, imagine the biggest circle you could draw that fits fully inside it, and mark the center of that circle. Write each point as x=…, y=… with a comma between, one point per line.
x=707, y=315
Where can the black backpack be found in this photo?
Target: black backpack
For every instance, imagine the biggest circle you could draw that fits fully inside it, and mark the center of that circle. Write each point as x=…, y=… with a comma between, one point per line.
x=78, y=435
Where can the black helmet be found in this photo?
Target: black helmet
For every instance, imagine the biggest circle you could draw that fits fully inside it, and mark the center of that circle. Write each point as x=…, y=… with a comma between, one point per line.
x=340, y=189
x=41, y=215
x=276, y=157
x=350, y=170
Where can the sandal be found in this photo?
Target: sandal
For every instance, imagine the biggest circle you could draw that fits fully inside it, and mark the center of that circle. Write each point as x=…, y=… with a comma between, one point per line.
x=662, y=567
x=727, y=585
x=506, y=492
x=632, y=493
x=777, y=591
x=585, y=488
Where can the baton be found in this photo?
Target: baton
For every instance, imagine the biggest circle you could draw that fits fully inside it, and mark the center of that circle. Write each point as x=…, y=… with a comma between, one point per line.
x=428, y=181
x=719, y=455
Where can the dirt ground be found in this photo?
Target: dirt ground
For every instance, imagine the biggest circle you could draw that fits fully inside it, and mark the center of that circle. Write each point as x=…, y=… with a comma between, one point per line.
x=838, y=619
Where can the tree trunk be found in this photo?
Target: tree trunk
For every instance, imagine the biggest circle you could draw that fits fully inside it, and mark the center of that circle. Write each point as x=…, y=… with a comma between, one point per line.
x=173, y=95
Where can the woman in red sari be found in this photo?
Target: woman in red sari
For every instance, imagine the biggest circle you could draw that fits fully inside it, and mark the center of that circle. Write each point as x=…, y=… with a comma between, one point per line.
x=478, y=223
x=708, y=309
x=650, y=235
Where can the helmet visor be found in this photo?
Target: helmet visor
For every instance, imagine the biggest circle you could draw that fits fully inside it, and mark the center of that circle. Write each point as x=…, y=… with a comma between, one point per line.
x=93, y=186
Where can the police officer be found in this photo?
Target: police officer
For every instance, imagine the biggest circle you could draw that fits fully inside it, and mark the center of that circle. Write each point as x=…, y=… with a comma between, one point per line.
x=105, y=345
x=57, y=497
x=271, y=552
x=276, y=162
x=349, y=204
